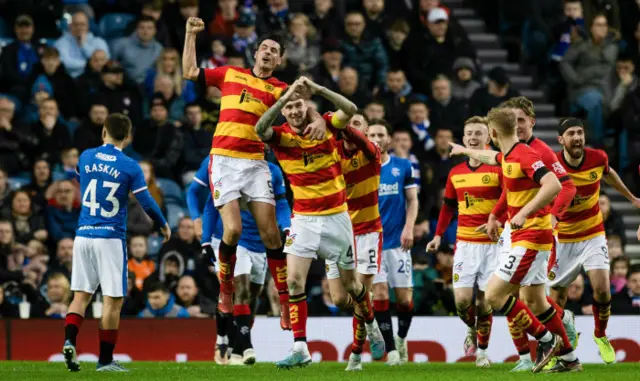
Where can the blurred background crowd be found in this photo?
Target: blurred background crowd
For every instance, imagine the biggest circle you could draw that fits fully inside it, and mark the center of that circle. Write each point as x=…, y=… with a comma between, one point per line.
x=423, y=65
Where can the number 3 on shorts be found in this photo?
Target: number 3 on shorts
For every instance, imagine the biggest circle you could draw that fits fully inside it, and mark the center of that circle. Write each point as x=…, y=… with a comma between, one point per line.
x=509, y=265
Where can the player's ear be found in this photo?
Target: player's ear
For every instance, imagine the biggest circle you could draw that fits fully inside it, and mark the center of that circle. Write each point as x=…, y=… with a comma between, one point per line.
x=560, y=140
x=104, y=133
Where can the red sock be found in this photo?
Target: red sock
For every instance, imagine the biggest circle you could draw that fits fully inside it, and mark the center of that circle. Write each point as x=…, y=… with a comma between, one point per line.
x=72, y=325
x=226, y=265
x=553, y=322
x=522, y=317
x=519, y=337
x=359, y=334
x=556, y=307
x=468, y=316
x=484, y=330
x=363, y=302
x=298, y=313
x=278, y=269
x=601, y=313
x=381, y=305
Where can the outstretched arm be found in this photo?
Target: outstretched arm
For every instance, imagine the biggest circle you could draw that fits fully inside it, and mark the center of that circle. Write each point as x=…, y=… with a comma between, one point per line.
x=190, y=68
x=485, y=156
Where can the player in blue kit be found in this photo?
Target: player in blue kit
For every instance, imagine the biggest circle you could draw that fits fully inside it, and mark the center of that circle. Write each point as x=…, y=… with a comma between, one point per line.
x=106, y=177
x=250, y=266
x=398, y=204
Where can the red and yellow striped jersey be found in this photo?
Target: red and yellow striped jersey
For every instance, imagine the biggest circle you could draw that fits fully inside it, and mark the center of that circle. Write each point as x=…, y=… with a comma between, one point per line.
x=583, y=219
x=473, y=192
x=363, y=179
x=245, y=98
x=522, y=170
x=313, y=168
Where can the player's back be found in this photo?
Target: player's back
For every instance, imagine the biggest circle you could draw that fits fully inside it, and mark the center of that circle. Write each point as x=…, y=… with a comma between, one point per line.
x=396, y=175
x=362, y=177
x=106, y=177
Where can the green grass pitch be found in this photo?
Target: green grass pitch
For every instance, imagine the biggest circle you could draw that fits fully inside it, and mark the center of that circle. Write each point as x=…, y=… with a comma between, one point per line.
x=140, y=371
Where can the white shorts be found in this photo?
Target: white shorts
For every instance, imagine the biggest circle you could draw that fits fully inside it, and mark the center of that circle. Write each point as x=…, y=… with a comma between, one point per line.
x=368, y=256
x=100, y=262
x=522, y=266
x=253, y=264
x=215, y=245
x=396, y=269
x=328, y=237
x=504, y=242
x=233, y=178
x=570, y=258
x=474, y=263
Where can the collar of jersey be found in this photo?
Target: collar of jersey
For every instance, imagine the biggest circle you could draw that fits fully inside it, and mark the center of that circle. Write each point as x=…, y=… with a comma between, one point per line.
x=111, y=146
x=387, y=162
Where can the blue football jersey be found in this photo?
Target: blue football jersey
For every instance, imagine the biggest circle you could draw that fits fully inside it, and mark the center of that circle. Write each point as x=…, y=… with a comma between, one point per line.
x=396, y=175
x=106, y=177
x=211, y=220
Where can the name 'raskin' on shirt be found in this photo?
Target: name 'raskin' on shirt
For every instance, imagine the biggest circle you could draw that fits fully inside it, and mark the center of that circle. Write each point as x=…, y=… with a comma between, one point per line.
x=104, y=168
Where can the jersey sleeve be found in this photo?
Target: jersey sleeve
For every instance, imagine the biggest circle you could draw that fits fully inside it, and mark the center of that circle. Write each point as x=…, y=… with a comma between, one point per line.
x=274, y=141
x=533, y=166
x=138, y=184
x=411, y=179
x=333, y=123
x=605, y=161
x=450, y=196
x=215, y=77
x=550, y=160
x=202, y=175
x=499, y=158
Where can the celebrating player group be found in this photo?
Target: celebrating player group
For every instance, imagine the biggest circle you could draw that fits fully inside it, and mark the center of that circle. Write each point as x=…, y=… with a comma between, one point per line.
x=528, y=218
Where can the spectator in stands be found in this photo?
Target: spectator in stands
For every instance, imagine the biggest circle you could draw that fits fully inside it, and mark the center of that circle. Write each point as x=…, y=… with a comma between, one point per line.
x=139, y=262
x=56, y=301
x=164, y=87
x=437, y=161
x=613, y=223
x=19, y=59
x=197, y=140
x=159, y=141
x=463, y=85
x=327, y=72
x=446, y=111
x=210, y=105
x=169, y=64
x=620, y=83
x=184, y=243
x=12, y=258
x=433, y=51
x=172, y=267
x=134, y=301
x=27, y=222
x=5, y=190
x=497, y=90
x=119, y=94
x=323, y=305
x=153, y=9
x=585, y=67
x=569, y=29
x=53, y=136
x=375, y=110
x=419, y=123
x=138, y=222
x=149, y=173
x=348, y=86
x=619, y=271
x=627, y=301
x=274, y=18
x=38, y=188
x=8, y=310
x=245, y=36
x=303, y=50
x=395, y=38
x=614, y=246
x=364, y=53
x=63, y=216
x=138, y=52
x=90, y=81
x=396, y=95
x=177, y=24
x=189, y=297
x=78, y=44
x=326, y=18
x=225, y=18
x=162, y=304
x=69, y=158
x=218, y=56
x=63, y=261
x=64, y=89
x=376, y=18
x=16, y=142
x=89, y=134
x=576, y=300
x=537, y=36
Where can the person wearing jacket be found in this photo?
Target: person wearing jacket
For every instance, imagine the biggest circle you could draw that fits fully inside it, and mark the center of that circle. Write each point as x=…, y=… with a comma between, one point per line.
x=463, y=85
x=78, y=44
x=397, y=93
x=627, y=301
x=162, y=304
x=62, y=215
x=19, y=59
x=139, y=52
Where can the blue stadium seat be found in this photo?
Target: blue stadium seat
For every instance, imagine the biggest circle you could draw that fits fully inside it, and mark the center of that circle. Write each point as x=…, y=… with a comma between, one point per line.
x=113, y=25
x=174, y=213
x=172, y=191
x=18, y=182
x=154, y=244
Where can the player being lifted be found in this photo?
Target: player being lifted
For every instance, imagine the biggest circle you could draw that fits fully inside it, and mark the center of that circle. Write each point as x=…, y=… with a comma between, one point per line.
x=472, y=189
x=581, y=236
x=321, y=225
x=239, y=173
x=99, y=249
x=398, y=201
x=530, y=188
x=361, y=168
x=250, y=269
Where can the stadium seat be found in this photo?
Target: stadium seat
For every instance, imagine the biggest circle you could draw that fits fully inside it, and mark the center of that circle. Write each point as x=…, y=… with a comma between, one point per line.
x=5, y=31
x=174, y=213
x=18, y=182
x=154, y=244
x=172, y=191
x=113, y=25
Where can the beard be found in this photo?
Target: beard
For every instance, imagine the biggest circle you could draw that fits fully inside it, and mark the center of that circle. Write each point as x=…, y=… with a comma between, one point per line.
x=576, y=152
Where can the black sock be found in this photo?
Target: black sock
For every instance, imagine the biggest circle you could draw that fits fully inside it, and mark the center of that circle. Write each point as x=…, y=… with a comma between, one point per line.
x=243, y=334
x=231, y=330
x=386, y=327
x=276, y=253
x=404, y=322
x=226, y=251
x=221, y=323
x=106, y=352
x=71, y=333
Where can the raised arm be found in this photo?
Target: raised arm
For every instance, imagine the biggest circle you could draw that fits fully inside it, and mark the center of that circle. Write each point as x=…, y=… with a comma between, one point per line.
x=369, y=148
x=190, y=68
x=346, y=108
x=485, y=156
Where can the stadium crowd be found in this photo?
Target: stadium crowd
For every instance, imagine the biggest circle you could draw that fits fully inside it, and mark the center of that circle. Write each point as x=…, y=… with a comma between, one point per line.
x=65, y=65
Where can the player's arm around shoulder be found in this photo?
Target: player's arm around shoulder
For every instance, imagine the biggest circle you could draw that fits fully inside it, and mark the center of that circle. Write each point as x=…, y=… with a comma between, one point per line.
x=264, y=127
x=346, y=108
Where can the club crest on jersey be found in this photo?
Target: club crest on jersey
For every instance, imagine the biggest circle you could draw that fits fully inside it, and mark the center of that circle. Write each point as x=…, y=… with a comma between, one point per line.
x=289, y=241
x=456, y=277
x=395, y=171
x=355, y=162
x=486, y=179
x=551, y=275
x=593, y=176
x=509, y=169
x=269, y=87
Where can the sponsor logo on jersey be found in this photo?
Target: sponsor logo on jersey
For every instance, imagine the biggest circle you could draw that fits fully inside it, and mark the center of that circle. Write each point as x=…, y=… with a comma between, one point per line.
x=537, y=165
x=388, y=189
x=559, y=169
x=105, y=157
x=309, y=158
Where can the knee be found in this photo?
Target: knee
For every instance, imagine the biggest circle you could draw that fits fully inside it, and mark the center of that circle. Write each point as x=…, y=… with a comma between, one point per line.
x=341, y=301
x=463, y=304
x=404, y=304
x=232, y=234
x=242, y=295
x=602, y=296
x=494, y=299
x=270, y=236
x=380, y=292
x=295, y=283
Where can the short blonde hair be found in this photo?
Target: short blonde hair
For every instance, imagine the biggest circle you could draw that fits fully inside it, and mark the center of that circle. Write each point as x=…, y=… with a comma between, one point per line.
x=503, y=120
x=522, y=103
x=477, y=120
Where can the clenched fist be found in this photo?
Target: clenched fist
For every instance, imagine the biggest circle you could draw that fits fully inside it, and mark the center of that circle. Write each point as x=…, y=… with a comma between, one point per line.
x=195, y=25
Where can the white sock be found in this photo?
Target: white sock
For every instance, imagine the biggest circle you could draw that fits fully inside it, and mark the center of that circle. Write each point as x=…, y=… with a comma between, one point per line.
x=525, y=357
x=222, y=340
x=481, y=352
x=300, y=346
x=547, y=337
x=566, y=319
x=571, y=356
